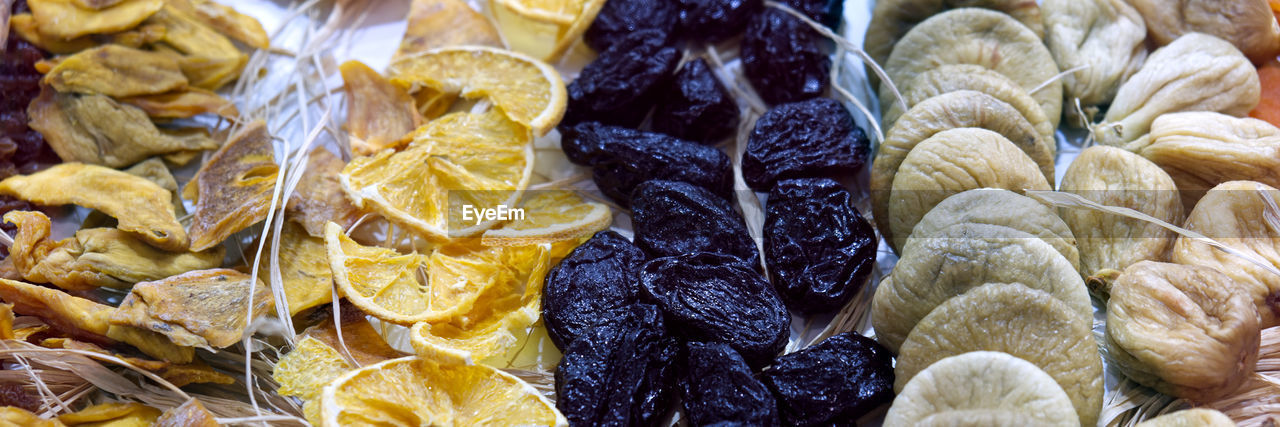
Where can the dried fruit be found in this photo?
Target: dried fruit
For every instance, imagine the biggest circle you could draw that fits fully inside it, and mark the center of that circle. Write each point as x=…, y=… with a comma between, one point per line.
x=319, y=357
x=713, y=21
x=227, y=21
x=717, y=298
x=719, y=388
x=785, y=59
x=696, y=106
x=1196, y=72
x=819, y=249
x=1249, y=24
x=622, y=159
x=1105, y=36
x=189, y=414
x=1190, y=417
x=116, y=71
x=1025, y=323
x=982, y=388
x=954, y=77
x=232, y=190
x=550, y=216
x=318, y=198
x=379, y=114
x=544, y=29
x=937, y=267
x=184, y=103
x=112, y=413
x=623, y=83
x=204, y=308
x=434, y=24
x=207, y=57
x=892, y=19
x=950, y=162
x=619, y=19
x=992, y=206
x=65, y=20
x=807, y=139
x=1183, y=330
x=303, y=263
x=674, y=218
x=1200, y=150
x=836, y=381
x=592, y=286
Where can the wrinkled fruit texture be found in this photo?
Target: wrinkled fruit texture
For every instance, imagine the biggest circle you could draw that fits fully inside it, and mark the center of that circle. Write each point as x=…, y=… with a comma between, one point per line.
x=813, y=138
x=953, y=77
x=1247, y=24
x=711, y=21
x=785, y=60
x=622, y=84
x=622, y=159
x=619, y=373
x=716, y=298
x=673, y=218
x=696, y=106
x=982, y=388
x=1106, y=36
x=992, y=206
x=836, y=381
x=719, y=387
x=618, y=19
x=590, y=287
x=1202, y=149
x=819, y=249
x=891, y=19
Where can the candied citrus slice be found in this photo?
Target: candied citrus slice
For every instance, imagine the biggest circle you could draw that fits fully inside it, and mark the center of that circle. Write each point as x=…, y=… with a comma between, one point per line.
x=550, y=216
x=417, y=391
x=544, y=28
x=454, y=164
x=526, y=89
x=305, y=371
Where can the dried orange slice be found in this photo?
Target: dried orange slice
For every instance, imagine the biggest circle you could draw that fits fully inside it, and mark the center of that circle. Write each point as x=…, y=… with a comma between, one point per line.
x=529, y=91
x=457, y=165
x=550, y=216
x=417, y=391
x=305, y=370
x=543, y=29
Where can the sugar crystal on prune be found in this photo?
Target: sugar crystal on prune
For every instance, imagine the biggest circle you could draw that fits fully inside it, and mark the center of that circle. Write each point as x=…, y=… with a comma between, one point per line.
x=674, y=218
x=836, y=381
x=620, y=18
x=785, y=59
x=819, y=249
x=712, y=21
x=720, y=389
x=590, y=286
x=814, y=138
x=621, y=85
x=696, y=106
x=622, y=159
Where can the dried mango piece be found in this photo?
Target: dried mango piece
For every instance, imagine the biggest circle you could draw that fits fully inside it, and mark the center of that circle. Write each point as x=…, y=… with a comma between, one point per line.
x=141, y=206
x=66, y=20
x=196, y=372
x=114, y=414
x=190, y=414
x=116, y=71
x=204, y=308
x=318, y=198
x=363, y=343
x=184, y=103
x=304, y=269
x=379, y=114
x=97, y=129
x=442, y=23
x=227, y=21
x=73, y=344
x=233, y=189
x=24, y=25
x=153, y=170
x=136, y=38
x=208, y=59
x=6, y=322
x=95, y=4
x=15, y=416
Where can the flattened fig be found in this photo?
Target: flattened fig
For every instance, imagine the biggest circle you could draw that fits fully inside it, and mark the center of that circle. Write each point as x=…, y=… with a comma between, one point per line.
x=992, y=206
x=891, y=19
x=954, y=77
x=982, y=388
x=1106, y=36
x=1247, y=24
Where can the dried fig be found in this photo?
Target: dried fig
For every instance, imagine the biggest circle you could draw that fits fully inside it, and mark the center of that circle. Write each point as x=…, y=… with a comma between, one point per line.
x=992, y=206
x=1105, y=36
x=1247, y=24
x=982, y=388
x=1200, y=417
x=953, y=77
x=980, y=37
x=891, y=19
x=1202, y=149
x=1183, y=330
x=1196, y=72
x=936, y=267
x=952, y=161
x=1116, y=177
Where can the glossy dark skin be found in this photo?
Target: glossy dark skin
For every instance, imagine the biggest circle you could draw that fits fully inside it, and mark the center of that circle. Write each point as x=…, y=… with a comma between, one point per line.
x=785, y=60
x=696, y=106
x=622, y=84
x=619, y=18
x=712, y=21
x=819, y=249
x=622, y=159
x=590, y=286
x=720, y=389
x=807, y=139
x=717, y=298
x=673, y=218
x=619, y=373
x=836, y=381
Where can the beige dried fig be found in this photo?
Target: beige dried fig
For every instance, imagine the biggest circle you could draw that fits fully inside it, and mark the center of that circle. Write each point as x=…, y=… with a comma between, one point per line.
x=1183, y=330
x=891, y=19
x=950, y=162
x=1104, y=36
x=993, y=206
x=982, y=388
x=1197, y=417
x=1200, y=150
x=1197, y=72
x=954, y=77
x=1247, y=24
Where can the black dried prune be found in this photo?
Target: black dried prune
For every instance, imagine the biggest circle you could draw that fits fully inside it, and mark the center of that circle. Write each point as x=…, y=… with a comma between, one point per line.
x=719, y=389
x=785, y=60
x=622, y=159
x=674, y=218
x=621, y=85
x=717, y=298
x=836, y=381
x=813, y=138
x=826, y=12
x=712, y=21
x=696, y=106
x=589, y=286
x=619, y=373
x=819, y=248
x=620, y=18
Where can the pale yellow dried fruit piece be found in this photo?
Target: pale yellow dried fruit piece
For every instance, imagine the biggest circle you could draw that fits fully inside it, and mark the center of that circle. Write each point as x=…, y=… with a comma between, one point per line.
x=189, y=414
x=550, y=216
x=892, y=19
x=305, y=370
x=232, y=190
x=184, y=103
x=304, y=268
x=1247, y=24
x=442, y=23
x=379, y=114
x=227, y=21
x=954, y=77
x=116, y=71
x=544, y=29
x=24, y=25
x=1105, y=36
x=66, y=20
x=205, y=308
x=13, y=416
x=992, y=206
x=1200, y=150
x=207, y=57
x=114, y=414
x=982, y=388
x=1195, y=417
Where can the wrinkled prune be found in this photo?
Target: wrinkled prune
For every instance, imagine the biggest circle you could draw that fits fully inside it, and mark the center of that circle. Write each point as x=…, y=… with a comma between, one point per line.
x=784, y=59
x=623, y=159
x=621, y=85
x=819, y=248
x=619, y=373
x=674, y=218
x=717, y=298
x=719, y=389
x=696, y=106
x=589, y=286
x=618, y=19
x=834, y=382
x=813, y=138
x=711, y=21
x=826, y=12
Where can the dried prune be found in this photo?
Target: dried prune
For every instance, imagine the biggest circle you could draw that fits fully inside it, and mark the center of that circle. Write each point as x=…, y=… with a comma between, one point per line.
x=717, y=298
x=819, y=248
x=619, y=373
x=620, y=86
x=711, y=21
x=813, y=138
x=673, y=218
x=785, y=60
x=589, y=286
x=826, y=12
x=618, y=19
x=719, y=388
x=623, y=159
x=834, y=382
x=696, y=106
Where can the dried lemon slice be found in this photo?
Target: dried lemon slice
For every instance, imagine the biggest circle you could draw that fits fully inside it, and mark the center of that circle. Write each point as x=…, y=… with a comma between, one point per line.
x=456, y=164
x=543, y=28
x=550, y=216
x=526, y=89
x=417, y=391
